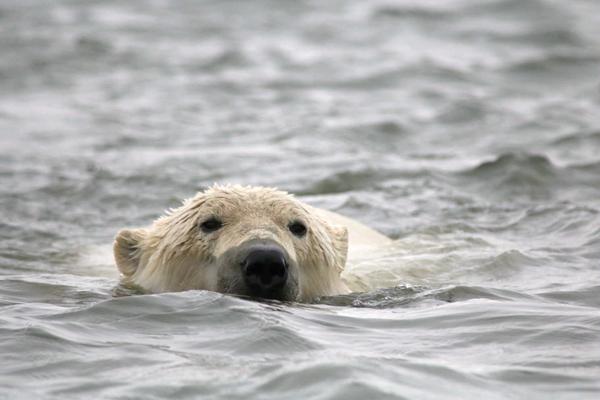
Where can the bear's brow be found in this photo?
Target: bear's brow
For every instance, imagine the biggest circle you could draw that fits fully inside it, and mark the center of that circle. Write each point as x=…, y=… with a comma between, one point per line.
x=222, y=205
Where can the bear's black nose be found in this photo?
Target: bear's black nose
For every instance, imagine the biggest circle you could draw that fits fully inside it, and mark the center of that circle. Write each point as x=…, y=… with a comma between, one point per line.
x=265, y=271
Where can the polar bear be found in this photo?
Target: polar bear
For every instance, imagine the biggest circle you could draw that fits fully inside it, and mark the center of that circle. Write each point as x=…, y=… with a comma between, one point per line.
x=253, y=241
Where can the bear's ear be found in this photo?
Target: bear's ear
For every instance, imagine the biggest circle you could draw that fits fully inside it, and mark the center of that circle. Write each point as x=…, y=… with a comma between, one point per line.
x=339, y=239
x=127, y=250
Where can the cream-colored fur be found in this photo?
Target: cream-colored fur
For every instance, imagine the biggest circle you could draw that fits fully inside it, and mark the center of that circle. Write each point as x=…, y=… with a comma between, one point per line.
x=174, y=254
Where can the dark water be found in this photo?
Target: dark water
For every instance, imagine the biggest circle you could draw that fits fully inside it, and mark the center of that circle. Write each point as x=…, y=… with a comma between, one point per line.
x=468, y=130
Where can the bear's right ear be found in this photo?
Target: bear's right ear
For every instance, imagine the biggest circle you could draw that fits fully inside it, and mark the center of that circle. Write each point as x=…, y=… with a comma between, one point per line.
x=127, y=250
x=339, y=238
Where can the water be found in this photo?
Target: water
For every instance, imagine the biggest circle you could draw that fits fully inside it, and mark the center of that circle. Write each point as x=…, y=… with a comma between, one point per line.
x=467, y=130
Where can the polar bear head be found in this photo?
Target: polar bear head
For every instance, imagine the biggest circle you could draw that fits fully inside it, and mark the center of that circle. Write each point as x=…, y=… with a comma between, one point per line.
x=253, y=241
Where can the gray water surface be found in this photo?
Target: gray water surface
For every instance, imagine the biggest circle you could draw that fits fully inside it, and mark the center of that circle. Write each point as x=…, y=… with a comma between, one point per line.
x=467, y=130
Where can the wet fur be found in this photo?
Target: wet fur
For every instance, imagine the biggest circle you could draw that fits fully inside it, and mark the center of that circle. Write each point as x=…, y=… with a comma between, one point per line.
x=173, y=254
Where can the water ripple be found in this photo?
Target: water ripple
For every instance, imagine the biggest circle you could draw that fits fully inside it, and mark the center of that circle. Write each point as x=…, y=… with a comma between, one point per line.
x=467, y=130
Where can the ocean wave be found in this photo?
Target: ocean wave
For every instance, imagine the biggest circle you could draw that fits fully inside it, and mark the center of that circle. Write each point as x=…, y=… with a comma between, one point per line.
x=514, y=174
x=466, y=129
x=514, y=162
x=411, y=12
x=578, y=139
x=550, y=62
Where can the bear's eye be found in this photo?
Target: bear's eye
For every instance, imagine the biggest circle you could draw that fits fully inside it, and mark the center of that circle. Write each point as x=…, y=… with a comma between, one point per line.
x=210, y=225
x=297, y=228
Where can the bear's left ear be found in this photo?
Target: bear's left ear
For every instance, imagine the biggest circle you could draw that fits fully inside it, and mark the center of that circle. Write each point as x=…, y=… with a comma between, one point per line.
x=339, y=239
x=127, y=250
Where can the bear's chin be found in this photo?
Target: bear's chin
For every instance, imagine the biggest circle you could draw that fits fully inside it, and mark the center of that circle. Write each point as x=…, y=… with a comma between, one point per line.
x=287, y=294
